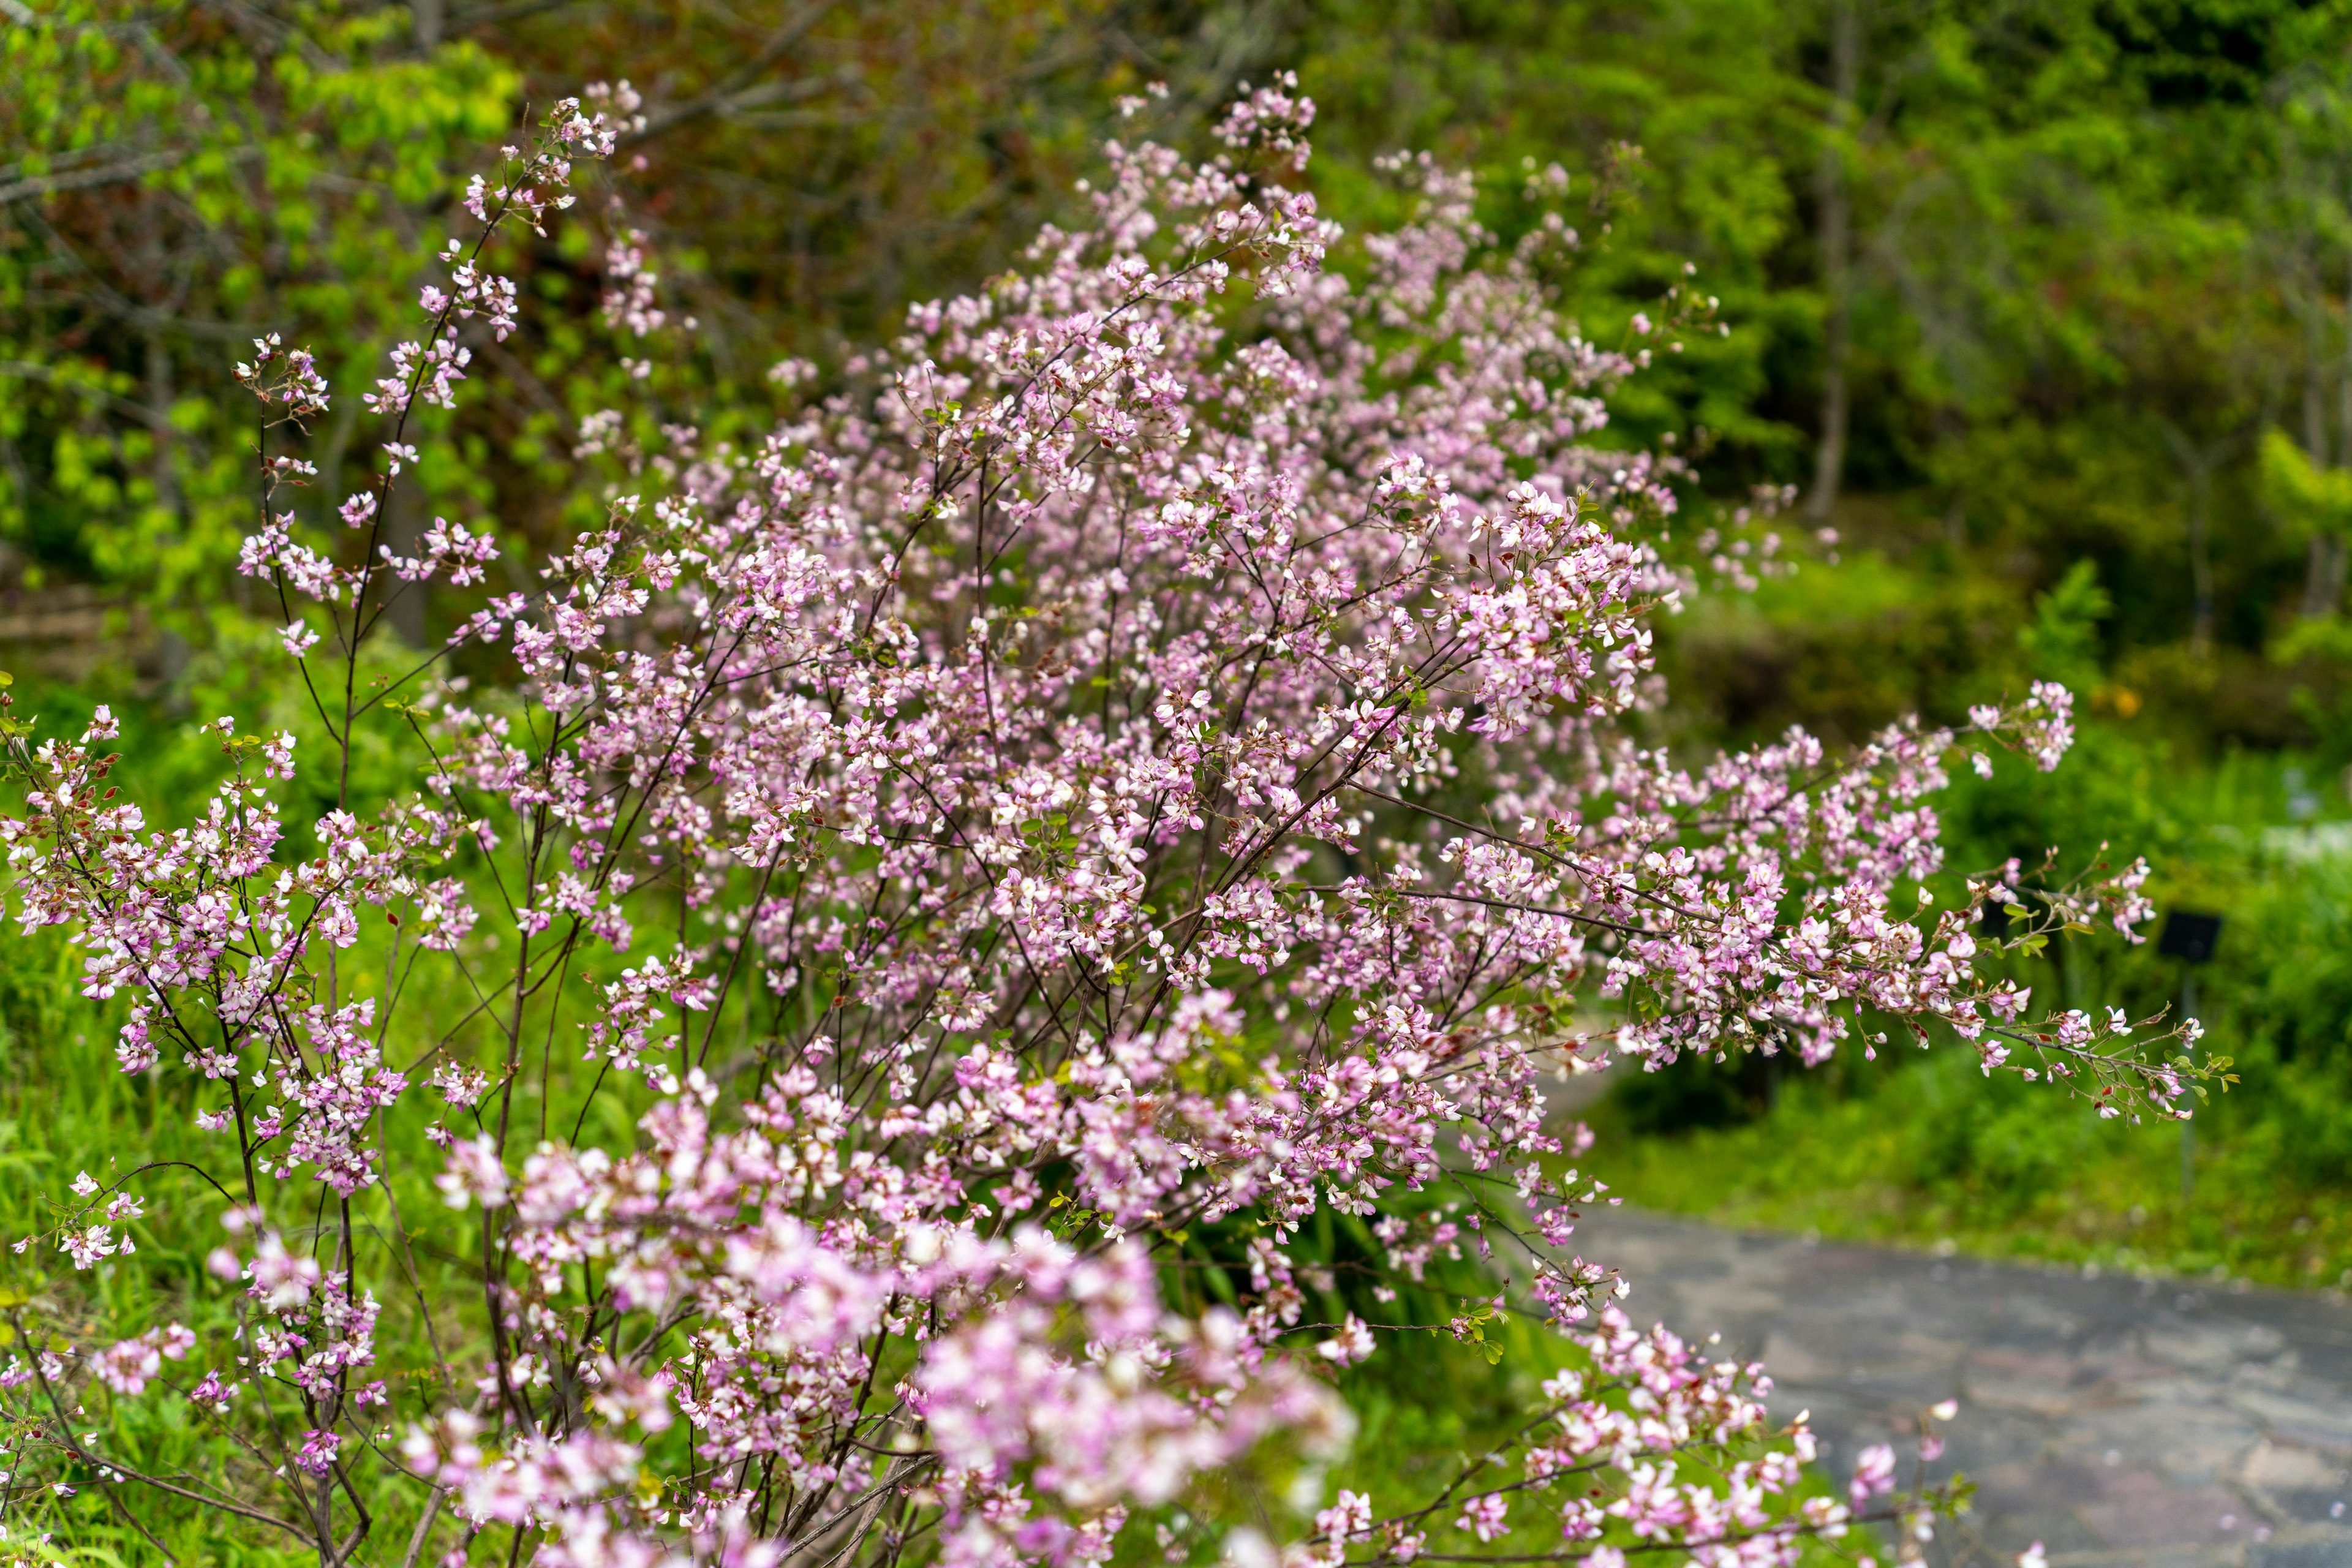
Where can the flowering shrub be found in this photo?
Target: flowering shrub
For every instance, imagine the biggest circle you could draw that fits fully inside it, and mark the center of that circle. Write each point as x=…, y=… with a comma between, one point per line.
x=1155, y=758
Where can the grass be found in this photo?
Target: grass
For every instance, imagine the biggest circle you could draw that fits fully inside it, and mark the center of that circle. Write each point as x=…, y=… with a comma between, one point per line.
x=1931, y=1155
x=63, y=1109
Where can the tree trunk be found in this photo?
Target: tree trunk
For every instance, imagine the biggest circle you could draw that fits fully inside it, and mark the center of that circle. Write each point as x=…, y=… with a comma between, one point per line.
x=2196, y=462
x=2323, y=566
x=2323, y=576
x=2314, y=417
x=2322, y=579
x=1835, y=196
x=404, y=515
x=2343, y=382
x=161, y=392
x=404, y=534
x=2202, y=558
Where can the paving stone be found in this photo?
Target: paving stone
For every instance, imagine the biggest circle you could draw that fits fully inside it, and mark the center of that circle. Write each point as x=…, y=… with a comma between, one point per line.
x=2123, y=1422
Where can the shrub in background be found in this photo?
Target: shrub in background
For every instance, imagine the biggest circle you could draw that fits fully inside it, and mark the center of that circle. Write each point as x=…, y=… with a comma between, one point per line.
x=1155, y=760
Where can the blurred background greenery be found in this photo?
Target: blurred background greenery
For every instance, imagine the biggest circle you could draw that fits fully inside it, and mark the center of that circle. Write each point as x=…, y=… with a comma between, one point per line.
x=2041, y=305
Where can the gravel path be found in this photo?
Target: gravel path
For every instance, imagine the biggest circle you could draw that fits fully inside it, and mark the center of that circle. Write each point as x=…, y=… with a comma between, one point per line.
x=2119, y=1421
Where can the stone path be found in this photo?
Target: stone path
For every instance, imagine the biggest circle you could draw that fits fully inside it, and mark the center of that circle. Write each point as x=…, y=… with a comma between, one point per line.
x=2118, y=1421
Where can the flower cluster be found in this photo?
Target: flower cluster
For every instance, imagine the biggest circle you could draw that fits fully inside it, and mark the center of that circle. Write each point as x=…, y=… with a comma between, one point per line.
x=1151, y=757
x=286, y=383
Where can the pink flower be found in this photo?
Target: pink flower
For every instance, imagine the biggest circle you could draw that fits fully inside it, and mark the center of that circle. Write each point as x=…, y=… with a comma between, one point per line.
x=1484, y=1516
x=317, y=1453
x=1873, y=1474
x=281, y=1280
x=1353, y=1343
x=474, y=1172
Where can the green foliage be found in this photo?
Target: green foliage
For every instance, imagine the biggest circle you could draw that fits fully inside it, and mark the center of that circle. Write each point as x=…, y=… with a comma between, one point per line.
x=2312, y=499
x=185, y=178
x=2062, y=643
x=194, y=184
x=2096, y=250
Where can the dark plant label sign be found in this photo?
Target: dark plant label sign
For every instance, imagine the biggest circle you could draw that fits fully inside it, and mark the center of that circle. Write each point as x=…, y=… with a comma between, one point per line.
x=2188, y=935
